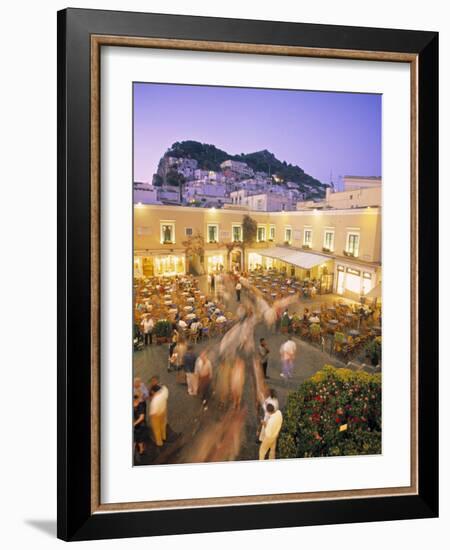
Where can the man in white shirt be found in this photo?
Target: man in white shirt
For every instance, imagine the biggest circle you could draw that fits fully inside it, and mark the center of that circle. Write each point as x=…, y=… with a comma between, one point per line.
x=147, y=328
x=159, y=396
x=287, y=354
x=272, y=428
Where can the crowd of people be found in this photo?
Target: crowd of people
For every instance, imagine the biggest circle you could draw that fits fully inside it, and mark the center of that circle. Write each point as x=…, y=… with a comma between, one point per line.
x=217, y=375
x=217, y=371
x=192, y=314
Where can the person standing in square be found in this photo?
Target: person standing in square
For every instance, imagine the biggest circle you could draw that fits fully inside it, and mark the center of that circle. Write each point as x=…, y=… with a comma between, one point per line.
x=263, y=351
x=147, y=328
x=189, y=368
x=159, y=395
x=272, y=428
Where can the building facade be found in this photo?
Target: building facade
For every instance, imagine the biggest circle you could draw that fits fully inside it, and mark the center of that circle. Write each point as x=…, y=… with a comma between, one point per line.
x=340, y=246
x=145, y=193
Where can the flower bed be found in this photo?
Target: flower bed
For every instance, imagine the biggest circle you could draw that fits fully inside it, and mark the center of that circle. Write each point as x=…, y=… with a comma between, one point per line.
x=336, y=412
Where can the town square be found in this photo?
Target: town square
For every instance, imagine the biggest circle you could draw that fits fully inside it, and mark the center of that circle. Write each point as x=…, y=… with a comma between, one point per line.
x=257, y=285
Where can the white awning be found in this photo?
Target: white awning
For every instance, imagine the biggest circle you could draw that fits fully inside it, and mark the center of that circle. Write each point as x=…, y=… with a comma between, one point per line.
x=305, y=260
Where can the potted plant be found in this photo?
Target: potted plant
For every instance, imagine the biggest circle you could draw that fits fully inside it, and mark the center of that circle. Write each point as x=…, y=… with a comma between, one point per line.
x=325, y=249
x=373, y=351
x=162, y=331
x=306, y=246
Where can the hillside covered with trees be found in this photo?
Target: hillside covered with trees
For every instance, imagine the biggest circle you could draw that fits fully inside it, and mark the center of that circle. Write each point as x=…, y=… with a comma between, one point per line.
x=209, y=157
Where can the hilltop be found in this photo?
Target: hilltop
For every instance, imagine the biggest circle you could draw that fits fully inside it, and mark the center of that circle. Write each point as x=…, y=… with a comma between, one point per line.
x=209, y=157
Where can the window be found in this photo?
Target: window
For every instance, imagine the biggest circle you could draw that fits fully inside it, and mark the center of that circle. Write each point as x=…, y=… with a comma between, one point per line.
x=259, y=204
x=236, y=233
x=328, y=240
x=167, y=232
x=213, y=233
x=261, y=233
x=189, y=231
x=353, y=244
x=288, y=234
x=307, y=237
x=272, y=233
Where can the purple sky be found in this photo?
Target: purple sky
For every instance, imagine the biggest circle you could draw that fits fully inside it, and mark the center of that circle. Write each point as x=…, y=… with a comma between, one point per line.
x=318, y=131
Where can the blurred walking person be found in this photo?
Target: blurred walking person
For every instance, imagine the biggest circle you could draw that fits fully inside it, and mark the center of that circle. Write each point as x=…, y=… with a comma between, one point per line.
x=189, y=368
x=287, y=354
x=237, y=380
x=203, y=370
x=238, y=289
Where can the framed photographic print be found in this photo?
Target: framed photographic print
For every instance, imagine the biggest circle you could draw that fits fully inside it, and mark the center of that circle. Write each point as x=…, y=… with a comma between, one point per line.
x=247, y=274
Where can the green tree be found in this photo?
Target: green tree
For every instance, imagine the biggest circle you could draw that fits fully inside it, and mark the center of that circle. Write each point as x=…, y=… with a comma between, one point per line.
x=194, y=248
x=249, y=229
x=157, y=180
x=175, y=178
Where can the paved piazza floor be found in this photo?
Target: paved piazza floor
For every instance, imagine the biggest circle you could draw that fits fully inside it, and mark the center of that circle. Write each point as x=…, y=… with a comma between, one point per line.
x=185, y=411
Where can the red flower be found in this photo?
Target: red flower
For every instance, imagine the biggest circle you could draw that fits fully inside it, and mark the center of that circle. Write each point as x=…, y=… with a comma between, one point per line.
x=337, y=419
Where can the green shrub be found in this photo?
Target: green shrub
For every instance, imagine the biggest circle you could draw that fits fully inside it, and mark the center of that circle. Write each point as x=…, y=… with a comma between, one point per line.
x=336, y=412
x=373, y=350
x=163, y=328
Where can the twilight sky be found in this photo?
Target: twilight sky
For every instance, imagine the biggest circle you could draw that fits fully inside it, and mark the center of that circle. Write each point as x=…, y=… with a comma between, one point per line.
x=318, y=131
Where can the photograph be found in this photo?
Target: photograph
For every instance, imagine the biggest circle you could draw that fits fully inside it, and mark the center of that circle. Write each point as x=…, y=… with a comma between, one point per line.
x=257, y=274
